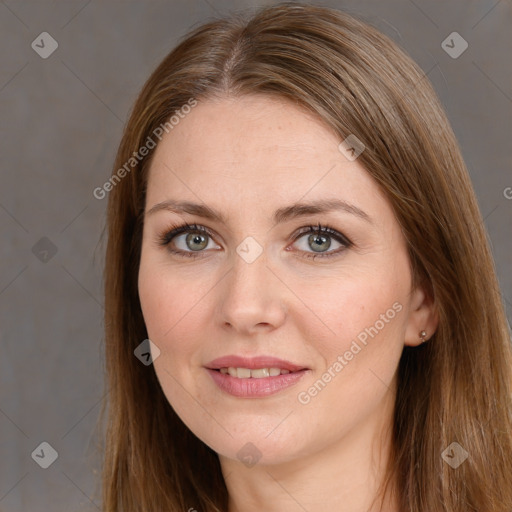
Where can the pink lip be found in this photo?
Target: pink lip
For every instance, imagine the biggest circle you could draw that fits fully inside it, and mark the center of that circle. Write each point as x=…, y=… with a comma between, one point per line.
x=251, y=387
x=255, y=388
x=253, y=363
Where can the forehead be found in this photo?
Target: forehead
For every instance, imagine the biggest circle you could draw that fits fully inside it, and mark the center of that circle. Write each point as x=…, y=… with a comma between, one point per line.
x=250, y=139
x=253, y=153
x=249, y=130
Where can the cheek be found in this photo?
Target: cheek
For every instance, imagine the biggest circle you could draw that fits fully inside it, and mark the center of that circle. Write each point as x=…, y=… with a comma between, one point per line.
x=177, y=313
x=171, y=308
x=351, y=303
x=363, y=315
x=171, y=301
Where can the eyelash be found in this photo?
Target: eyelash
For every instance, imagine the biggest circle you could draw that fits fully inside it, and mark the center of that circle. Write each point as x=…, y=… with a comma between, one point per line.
x=165, y=238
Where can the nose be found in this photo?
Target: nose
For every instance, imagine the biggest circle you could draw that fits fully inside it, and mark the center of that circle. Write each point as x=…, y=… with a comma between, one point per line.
x=252, y=298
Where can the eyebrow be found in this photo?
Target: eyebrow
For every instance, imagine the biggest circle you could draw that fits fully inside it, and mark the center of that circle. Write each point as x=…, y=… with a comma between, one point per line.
x=281, y=215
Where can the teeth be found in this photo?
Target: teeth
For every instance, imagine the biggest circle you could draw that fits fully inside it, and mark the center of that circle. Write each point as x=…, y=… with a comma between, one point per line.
x=241, y=373
x=258, y=373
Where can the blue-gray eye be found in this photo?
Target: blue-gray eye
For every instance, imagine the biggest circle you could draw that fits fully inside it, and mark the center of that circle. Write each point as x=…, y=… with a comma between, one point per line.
x=197, y=238
x=320, y=241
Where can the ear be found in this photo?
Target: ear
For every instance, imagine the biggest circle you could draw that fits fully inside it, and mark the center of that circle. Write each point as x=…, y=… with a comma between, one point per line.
x=423, y=316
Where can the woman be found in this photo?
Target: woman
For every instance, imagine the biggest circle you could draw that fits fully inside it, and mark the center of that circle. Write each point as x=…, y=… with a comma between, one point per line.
x=292, y=226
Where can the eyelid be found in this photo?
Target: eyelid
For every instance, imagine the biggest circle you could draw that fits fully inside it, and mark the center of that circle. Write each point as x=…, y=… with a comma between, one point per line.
x=334, y=233
x=174, y=230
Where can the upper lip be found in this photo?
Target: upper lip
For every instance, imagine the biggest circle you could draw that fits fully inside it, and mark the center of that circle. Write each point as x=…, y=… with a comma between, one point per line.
x=253, y=363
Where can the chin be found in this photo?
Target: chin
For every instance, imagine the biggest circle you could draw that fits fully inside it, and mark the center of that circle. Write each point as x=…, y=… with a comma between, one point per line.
x=254, y=446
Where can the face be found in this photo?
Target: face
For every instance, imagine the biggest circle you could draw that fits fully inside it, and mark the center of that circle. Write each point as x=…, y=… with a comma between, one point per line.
x=326, y=292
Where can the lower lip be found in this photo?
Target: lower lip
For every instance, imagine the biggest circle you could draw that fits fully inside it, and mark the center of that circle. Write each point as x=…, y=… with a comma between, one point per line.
x=255, y=388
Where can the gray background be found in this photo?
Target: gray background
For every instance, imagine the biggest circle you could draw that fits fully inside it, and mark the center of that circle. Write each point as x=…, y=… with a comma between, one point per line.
x=61, y=121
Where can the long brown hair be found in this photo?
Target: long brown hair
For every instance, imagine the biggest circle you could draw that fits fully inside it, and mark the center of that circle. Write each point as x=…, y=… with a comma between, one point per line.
x=455, y=388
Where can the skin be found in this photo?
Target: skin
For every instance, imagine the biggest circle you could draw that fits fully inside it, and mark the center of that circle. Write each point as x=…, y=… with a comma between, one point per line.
x=246, y=157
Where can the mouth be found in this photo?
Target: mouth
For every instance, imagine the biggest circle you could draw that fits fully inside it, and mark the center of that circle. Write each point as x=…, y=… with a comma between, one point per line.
x=256, y=373
x=254, y=382
x=253, y=367
x=259, y=376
